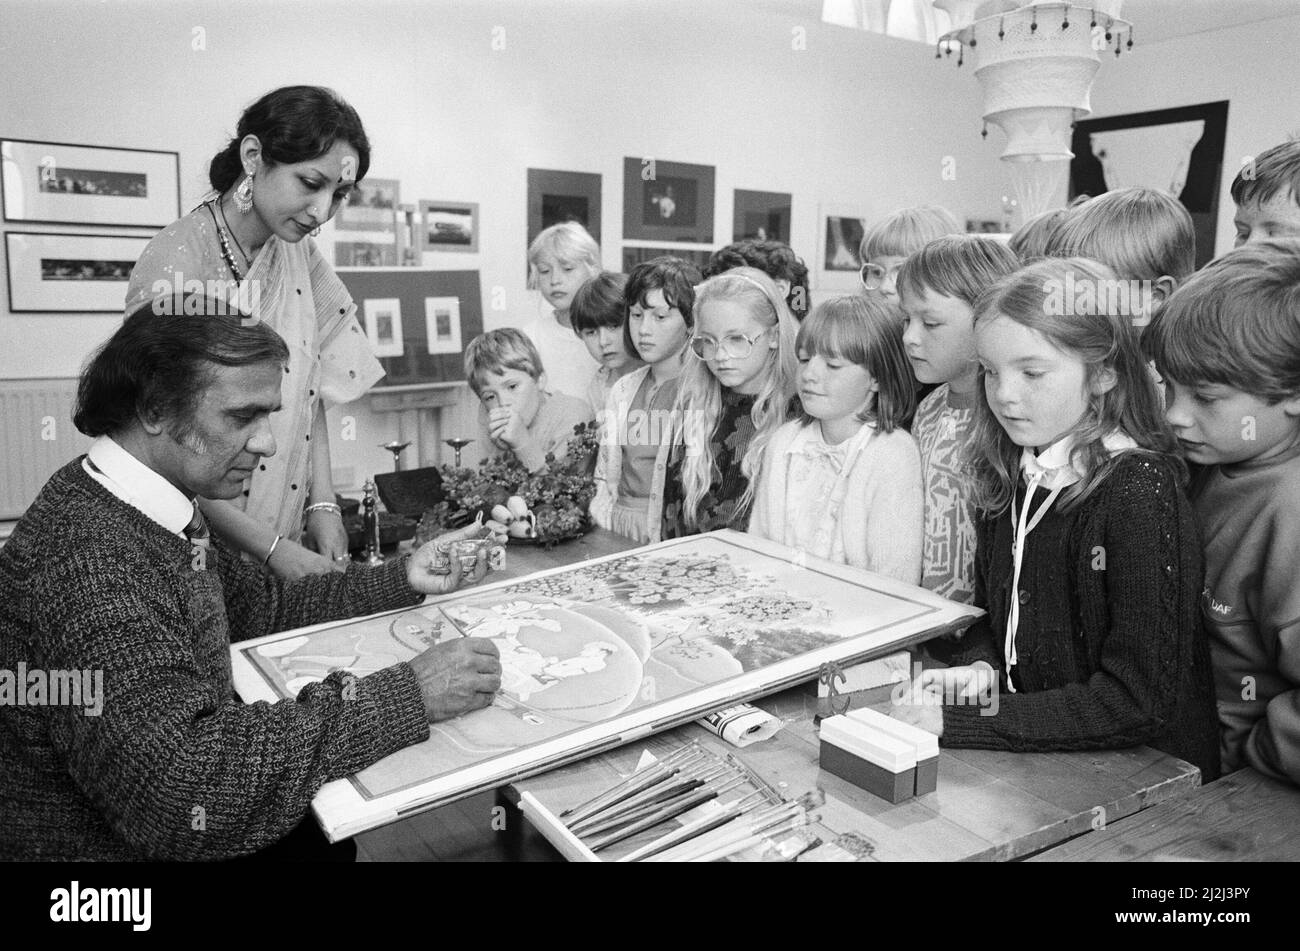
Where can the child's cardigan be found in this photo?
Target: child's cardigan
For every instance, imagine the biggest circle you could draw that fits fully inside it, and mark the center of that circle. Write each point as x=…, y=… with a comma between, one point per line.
x=872, y=518
x=1112, y=648
x=609, y=459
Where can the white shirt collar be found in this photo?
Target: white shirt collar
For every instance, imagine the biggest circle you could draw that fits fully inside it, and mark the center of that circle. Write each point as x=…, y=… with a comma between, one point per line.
x=137, y=485
x=1054, y=466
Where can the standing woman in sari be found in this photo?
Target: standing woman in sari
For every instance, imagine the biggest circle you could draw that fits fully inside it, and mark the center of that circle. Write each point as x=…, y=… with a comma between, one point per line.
x=297, y=153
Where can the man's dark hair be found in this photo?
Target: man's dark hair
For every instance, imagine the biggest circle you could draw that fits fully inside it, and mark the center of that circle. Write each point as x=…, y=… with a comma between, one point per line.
x=161, y=359
x=775, y=259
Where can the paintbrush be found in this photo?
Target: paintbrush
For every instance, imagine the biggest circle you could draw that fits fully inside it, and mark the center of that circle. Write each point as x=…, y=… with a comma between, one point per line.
x=632, y=786
x=722, y=852
x=650, y=795
x=663, y=815
x=732, y=832
x=744, y=827
x=692, y=829
x=623, y=817
x=604, y=821
x=661, y=788
x=658, y=768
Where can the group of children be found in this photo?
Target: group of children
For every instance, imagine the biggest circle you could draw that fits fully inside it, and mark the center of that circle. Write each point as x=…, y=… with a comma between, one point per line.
x=1105, y=455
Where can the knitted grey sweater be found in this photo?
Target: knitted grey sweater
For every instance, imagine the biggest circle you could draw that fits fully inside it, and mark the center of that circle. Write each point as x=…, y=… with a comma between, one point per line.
x=174, y=767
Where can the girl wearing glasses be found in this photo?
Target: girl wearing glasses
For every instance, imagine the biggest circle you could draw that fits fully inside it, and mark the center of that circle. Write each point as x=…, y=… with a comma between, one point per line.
x=735, y=392
x=843, y=481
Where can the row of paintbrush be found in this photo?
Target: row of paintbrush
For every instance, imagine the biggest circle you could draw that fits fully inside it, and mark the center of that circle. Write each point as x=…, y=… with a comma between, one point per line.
x=690, y=780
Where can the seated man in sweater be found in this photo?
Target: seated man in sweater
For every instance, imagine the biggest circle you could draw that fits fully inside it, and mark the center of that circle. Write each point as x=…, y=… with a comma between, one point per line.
x=518, y=416
x=111, y=570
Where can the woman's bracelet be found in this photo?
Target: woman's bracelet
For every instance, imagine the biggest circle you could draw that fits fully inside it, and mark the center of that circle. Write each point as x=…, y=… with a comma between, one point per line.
x=324, y=507
x=271, y=551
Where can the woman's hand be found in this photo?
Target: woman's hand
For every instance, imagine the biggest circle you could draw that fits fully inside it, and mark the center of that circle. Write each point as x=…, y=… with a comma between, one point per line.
x=291, y=561
x=326, y=535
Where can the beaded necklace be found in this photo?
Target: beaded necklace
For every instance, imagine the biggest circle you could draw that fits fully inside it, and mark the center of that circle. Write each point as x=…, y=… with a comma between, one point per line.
x=226, y=254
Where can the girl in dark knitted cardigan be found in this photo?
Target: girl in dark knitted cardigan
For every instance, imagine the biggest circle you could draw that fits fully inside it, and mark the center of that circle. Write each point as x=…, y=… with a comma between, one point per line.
x=1088, y=560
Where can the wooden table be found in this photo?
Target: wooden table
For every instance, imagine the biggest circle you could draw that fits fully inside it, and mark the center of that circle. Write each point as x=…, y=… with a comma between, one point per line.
x=1245, y=816
x=989, y=806
x=524, y=559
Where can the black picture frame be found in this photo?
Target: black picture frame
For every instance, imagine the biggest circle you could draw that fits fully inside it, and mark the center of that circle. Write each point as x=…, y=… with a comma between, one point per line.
x=634, y=254
x=556, y=196
x=1200, y=194
x=761, y=216
x=31, y=167
x=86, y=273
x=667, y=201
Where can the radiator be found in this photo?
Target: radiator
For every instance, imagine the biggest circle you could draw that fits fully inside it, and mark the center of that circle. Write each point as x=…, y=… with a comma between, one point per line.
x=36, y=438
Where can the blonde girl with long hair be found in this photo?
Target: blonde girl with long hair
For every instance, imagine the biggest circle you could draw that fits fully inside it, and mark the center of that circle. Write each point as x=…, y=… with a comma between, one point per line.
x=735, y=392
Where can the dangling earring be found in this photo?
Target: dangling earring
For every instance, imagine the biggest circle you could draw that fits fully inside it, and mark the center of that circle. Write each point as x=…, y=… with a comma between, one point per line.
x=244, y=195
x=315, y=232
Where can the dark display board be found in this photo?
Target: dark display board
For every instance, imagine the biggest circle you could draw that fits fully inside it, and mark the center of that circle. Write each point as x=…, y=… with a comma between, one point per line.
x=419, y=320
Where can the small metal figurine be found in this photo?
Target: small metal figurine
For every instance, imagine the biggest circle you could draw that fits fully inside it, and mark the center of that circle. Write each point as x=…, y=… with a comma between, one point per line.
x=370, y=526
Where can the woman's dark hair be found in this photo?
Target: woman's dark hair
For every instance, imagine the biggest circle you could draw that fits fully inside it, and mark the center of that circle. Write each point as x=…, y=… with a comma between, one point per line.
x=775, y=259
x=294, y=124
x=160, y=361
x=676, y=277
x=599, y=303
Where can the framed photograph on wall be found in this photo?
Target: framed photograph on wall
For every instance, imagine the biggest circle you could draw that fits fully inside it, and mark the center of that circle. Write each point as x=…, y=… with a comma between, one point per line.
x=69, y=273
x=365, y=249
x=384, y=325
x=371, y=206
x=634, y=254
x=442, y=324
x=1177, y=151
x=449, y=226
x=667, y=201
x=57, y=183
x=761, y=216
x=839, y=260
x=555, y=197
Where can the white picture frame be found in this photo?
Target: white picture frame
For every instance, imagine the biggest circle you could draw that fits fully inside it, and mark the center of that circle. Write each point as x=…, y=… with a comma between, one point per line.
x=383, y=319
x=442, y=324
x=751, y=617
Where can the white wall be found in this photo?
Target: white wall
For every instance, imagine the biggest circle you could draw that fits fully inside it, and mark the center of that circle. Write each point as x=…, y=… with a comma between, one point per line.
x=849, y=118
x=1253, y=66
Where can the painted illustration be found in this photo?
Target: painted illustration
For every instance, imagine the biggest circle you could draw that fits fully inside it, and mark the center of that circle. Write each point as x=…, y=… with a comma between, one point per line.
x=629, y=638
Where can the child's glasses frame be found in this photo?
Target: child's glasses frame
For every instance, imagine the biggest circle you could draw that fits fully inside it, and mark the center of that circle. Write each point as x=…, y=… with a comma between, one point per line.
x=873, y=275
x=736, y=346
